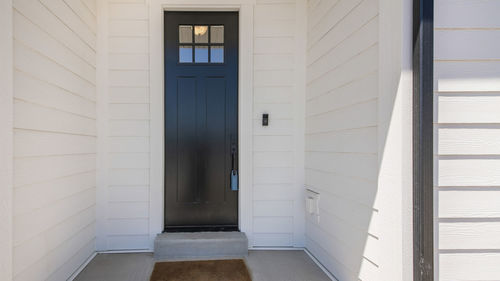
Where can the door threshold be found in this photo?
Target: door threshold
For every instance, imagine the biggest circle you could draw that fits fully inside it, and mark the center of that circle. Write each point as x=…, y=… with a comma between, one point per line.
x=203, y=228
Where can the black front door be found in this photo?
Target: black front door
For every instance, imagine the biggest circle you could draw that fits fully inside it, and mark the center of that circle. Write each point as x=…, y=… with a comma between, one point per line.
x=201, y=119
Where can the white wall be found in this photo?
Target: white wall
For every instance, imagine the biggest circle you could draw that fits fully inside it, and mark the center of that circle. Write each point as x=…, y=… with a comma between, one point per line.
x=124, y=101
x=467, y=138
x=341, y=135
x=277, y=212
x=277, y=217
x=6, y=140
x=358, y=137
x=54, y=137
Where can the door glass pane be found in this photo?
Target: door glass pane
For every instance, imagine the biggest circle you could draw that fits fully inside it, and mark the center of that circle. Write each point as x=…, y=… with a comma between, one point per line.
x=217, y=54
x=201, y=34
x=185, y=34
x=201, y=54
x=185, y=54
x=217, y=34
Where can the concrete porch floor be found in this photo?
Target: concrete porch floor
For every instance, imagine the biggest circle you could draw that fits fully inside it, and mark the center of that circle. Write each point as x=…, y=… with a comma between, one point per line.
x=263, y=266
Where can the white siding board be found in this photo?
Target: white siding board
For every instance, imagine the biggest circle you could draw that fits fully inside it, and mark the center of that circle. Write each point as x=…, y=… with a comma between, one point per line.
x=273, y=225
x=273, y=78
x=30, y=198
x=331, y=18
x=273, y=192
x=366, y=11
x=467, y=83
x=55, y=138
x=129, y=160
x=456, y=44
x=469, y=172
x=273, y=159
x=129, y=78
x=349, y=258
x=342, y=96
x=275, y=110
x=274, y=45
x=39, y=92
x=127, y=242
x=28, y=61
x=139, y=28
x=84, y=13
x=273, y=94
x=354, y=140
x=120, y=210
x=273, y=62
x=273, y=143
x=344, y=118
x=31, y=35
x=130, y=11
x=466, y=14
x=357, y=43
x=129, y=111
x=128, y=194
x=128, y=95
x=354, y=189
x=469, y=266
x=128, y=177
x=41, y=16
x=273, y=239
x=38, y=169
x=128, y=61
x=91, y=5
x=128, y=45
x=128, y=226
x=34, y=143
x=272, y=175
x=356, y=165
x=468, y=109
x=128, y=144
x=272, y=27
x=466, y=76
x=35, y=117
x=283, y=127
x=317, y=10
x=341, y=119
x=31, y=225
x=352, y=70
x=129, y=128
x=272, y=208
x=70, y=19
x=469, y=235
x=468, y=141
x=469, y=203
x=73, y=262
x=275, y=12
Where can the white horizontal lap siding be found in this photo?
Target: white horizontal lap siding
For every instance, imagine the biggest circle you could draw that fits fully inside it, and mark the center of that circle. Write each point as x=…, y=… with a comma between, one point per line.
x=467, y=144
x=54, y=137
x=341, y=135
x=274, y=90
x=127, y=202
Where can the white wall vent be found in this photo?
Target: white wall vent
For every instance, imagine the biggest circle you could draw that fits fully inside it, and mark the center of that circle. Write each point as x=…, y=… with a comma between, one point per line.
x=312, y=204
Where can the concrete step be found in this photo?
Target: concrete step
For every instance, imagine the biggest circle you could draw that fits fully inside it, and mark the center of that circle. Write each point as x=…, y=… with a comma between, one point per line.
x=200, y=245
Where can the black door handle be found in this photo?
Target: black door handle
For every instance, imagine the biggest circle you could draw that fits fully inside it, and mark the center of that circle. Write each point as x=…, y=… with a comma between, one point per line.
x=234, y=172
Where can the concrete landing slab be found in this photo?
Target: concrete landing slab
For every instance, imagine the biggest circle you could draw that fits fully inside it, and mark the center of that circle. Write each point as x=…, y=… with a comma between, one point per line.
x=200, y=245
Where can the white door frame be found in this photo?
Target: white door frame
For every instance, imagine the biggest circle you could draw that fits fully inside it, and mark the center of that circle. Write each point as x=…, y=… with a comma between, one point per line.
x=245, y=105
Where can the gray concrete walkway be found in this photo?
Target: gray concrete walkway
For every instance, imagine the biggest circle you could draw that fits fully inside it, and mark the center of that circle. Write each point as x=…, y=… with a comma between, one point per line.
x=263, y=266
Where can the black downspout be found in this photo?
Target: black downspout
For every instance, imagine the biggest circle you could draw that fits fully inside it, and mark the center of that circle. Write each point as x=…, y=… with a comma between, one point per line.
x=423, y=80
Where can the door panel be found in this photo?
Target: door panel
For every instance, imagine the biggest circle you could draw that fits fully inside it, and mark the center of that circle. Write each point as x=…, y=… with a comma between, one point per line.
x=201, y=102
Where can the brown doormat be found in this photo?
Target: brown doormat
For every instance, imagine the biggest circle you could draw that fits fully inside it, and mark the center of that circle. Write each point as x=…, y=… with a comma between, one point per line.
x=208, y=270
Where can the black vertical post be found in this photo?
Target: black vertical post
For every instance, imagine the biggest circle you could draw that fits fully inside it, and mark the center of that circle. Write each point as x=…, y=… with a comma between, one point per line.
x=423, y=80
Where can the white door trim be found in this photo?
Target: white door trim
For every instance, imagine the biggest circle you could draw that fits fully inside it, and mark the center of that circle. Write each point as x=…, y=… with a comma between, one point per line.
x=245, y=99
